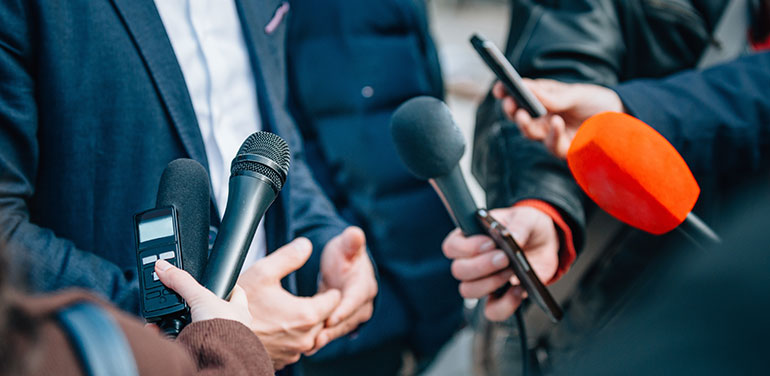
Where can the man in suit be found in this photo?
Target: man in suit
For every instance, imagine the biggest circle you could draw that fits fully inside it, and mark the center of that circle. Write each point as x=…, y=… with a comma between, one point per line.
x=97, y=96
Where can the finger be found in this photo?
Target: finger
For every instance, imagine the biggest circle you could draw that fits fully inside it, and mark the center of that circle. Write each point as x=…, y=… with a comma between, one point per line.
x=181, y=282
x=499, y=309
x=324, y=303
x=498, y=90
x=456, y=245
x=483, y=265
x=555, y=96
x=519, y=221
x=286, y=259
x=531, y=128
x=155, y=328
x=509, y=107
x=238, y=297
x=327, y=335
x=561, y=139
x=355, y=296
x=353, y=242
x=485, y=286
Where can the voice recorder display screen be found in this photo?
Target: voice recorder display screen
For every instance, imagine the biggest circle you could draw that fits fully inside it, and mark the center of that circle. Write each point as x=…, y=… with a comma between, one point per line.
x=156, y=228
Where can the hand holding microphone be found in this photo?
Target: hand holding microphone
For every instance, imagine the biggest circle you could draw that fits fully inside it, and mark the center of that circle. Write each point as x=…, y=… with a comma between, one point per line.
x=430, y=144
x=482, y=268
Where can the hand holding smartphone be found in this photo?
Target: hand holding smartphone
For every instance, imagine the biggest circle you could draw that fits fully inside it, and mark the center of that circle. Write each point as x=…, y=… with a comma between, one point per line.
x=505, y=72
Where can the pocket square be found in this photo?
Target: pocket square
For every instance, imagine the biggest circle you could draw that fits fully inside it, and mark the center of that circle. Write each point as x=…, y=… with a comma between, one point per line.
x=279, y=15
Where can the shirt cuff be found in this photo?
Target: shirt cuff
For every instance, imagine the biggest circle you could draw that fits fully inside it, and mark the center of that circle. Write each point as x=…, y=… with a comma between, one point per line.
x=567, y=252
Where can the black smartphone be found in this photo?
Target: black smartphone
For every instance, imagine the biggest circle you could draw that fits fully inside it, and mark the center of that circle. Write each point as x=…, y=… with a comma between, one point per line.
x=535, y=289
x=507, y=75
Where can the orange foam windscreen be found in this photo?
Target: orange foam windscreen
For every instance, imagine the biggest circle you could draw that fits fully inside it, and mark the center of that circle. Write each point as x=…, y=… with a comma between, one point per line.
x=632, y=172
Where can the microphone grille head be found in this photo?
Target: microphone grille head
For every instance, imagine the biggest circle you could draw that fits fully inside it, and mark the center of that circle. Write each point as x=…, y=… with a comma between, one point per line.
x=426, y=137
x=266, y=154
x=632, y=172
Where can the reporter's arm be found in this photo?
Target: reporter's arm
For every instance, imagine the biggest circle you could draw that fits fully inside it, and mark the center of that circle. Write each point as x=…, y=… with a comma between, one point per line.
x=718, y=119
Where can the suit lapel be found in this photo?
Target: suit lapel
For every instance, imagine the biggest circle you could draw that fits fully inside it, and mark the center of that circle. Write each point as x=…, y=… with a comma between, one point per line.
x=266, y=55
x=145, y=26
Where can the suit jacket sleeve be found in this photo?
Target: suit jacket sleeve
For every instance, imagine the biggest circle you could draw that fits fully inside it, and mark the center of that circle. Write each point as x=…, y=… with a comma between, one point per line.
x=47, y=261
x=718, y=119
x=312, y=216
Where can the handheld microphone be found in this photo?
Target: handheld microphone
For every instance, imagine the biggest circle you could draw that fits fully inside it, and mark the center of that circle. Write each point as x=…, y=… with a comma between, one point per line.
x=430, y=144
x=257, y=174
x=185, y=185
x=176, y=230
x=633, y=173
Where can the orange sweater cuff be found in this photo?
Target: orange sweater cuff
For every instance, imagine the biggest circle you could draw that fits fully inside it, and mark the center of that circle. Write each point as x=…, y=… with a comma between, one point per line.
x=567, y=252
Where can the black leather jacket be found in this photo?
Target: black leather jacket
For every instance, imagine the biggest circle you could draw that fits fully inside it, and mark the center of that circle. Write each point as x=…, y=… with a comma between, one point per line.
x=596, y=41
x=602, y=42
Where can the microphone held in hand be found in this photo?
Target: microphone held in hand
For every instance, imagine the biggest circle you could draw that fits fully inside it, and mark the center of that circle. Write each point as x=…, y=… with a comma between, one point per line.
x=185, y=186
x=633, y=173
x=257, y=175
x=175, y=231
x=430, y=144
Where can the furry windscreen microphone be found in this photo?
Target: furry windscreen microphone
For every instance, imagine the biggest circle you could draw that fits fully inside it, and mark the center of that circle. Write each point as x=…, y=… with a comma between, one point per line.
x=430, y=144
x=632, y=172
x=426, y=137
x=185, y=185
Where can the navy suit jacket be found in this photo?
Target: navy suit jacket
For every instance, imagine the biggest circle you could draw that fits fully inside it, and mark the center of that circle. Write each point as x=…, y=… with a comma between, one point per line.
x=93, y=105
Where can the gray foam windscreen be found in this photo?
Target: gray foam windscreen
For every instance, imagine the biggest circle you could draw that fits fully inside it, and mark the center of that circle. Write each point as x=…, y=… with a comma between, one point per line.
x=185, y=185
x=426, y=137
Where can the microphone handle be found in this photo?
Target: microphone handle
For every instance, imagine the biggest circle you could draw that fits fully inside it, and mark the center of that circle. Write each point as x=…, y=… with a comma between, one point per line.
x=698, y=231
x=249, y=197
x=458, y=201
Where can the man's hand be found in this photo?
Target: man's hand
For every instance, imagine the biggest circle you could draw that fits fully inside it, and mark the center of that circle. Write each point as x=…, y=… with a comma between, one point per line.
x=568, y=105
x=345, y=266
x=482, y=268
x=286, y=324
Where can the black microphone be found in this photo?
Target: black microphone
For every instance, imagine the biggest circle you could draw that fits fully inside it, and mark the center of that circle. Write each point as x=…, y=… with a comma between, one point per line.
x=430, y=144
x=176, y=231
x=185, y=186
x=257, y=174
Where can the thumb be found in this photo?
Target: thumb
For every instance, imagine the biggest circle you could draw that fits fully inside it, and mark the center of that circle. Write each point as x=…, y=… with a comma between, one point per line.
x=181, y=282
x=557, y=141
x=326, y=302
x=561, y=138
x=238, y=297
x=556, y=96
x=287, y=259
x=351, y=241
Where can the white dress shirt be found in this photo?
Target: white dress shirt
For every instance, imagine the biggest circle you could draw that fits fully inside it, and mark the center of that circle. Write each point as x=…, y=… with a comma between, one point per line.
x=208, y=42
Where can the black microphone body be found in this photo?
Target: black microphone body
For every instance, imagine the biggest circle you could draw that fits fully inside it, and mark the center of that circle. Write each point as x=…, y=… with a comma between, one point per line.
x=249, y=199
x=458, y=201
x=257, y=174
